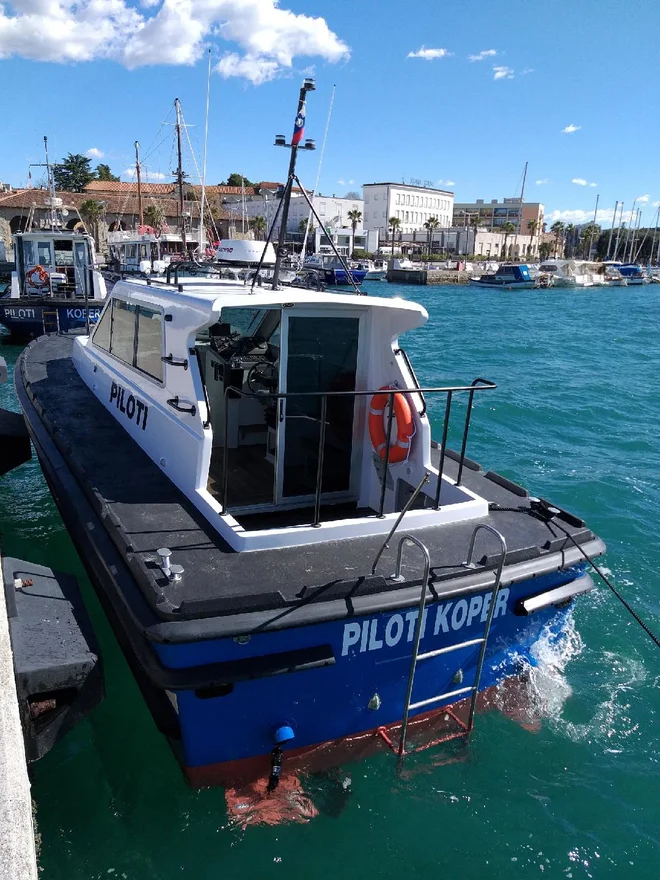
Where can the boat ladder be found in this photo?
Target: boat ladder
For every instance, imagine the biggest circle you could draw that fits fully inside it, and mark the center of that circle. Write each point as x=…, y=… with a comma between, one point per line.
x=50, y=320
x=473, y=689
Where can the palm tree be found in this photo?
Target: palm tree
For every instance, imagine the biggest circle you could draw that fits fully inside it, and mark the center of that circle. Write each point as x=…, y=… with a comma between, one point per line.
x=507, y=228
x=533, y=227
x=154, y=216
x=569, y=239
x=590, y=231
x=431, y=225
x=91, y=212
x=558, y=229
x=395, y=224
x=258, y=225
x=355, y=217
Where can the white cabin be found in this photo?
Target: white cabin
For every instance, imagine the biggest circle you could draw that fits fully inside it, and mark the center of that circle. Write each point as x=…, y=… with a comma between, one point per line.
x=50, y=263
x=255, y=405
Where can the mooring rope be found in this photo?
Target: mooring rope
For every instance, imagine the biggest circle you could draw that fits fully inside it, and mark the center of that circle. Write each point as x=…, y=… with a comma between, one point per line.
x=546, y=514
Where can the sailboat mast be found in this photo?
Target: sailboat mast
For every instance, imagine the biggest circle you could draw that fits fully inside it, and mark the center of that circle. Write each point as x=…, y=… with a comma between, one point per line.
x=179, y=174
x=593, y=228
x=202, y=201
x=609, y=242
x=618, y=233
x=318, y=176
x=138, y=174
x=522, y=196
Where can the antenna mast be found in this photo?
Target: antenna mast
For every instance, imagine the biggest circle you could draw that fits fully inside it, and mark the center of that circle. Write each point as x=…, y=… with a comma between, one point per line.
x=202, y=201
x=51, y=185
x=294, y=146
x=180, y=175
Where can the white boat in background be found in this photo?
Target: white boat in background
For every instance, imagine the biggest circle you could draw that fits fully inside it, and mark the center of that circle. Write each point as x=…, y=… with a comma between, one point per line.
x=142, y=251
x=376, y=269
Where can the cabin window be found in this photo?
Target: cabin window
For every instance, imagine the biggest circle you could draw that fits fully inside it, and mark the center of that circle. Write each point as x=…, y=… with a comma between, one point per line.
x=134, y=335
x=148, y=357
x=28, y=251
x=43, y=253
x=63, y=253
x=101, y=335
x=132, y=250
x=122, y=339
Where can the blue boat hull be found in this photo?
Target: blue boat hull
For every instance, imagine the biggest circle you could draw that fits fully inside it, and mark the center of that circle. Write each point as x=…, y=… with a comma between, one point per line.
x=25, y=319
x=228, y=734
x=339, y=277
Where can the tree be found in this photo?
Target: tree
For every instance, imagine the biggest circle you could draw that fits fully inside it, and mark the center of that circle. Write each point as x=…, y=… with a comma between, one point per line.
x=352, y=195
x=154, y=216
x=557, y=229
x=533, y=228
x=73, y=173
x=236, y=179
x=395, y=224
x=103, y=173
x=91, y=212
x=431, y=225
x=545, y=249
x=258, y=225
x=569, y=239
x=507, y=228
x=355, y=217
x=590, y=232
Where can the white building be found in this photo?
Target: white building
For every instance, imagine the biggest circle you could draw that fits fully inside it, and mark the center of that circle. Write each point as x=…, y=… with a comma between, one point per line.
x=344, y=240
x=412, y=205
x=333, y=212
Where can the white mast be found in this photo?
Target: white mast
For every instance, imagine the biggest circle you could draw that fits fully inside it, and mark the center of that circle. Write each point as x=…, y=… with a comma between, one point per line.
x=591, y=237
x=202, y=201
x=609, y=243
x=318, y=175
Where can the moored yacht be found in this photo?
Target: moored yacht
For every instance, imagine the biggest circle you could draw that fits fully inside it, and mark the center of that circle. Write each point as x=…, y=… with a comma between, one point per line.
x=55, y=286
x=334, y=271
x=297, y=570
x=509, y=276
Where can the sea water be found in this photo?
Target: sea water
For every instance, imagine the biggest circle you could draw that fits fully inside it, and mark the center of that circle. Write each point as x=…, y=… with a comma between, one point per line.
x=566, y=787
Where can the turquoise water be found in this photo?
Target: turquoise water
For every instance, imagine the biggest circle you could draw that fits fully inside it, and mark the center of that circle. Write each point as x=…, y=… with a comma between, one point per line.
x=575, y=418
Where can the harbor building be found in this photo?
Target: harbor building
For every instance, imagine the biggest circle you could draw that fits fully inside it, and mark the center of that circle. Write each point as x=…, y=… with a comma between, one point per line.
x=495, y=214
x=411, y=204
x=332, y=211
x=462, y=241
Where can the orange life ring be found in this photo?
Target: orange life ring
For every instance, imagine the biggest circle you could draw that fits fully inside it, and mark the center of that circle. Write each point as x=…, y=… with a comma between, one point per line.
x=405, y=426
x=44, y=277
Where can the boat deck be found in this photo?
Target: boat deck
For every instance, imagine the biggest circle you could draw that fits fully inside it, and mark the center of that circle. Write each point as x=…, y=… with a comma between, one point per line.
x=224, y=592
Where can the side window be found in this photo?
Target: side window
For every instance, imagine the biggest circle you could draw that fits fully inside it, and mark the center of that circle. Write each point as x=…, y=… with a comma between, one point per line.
x=28, y=251
x=43, y=253
x=134, y=334
x=148, y=357
x=101, y=336
x=122, y=341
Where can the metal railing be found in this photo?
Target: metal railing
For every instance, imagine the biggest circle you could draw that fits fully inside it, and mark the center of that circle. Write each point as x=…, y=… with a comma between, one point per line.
x=478, y=384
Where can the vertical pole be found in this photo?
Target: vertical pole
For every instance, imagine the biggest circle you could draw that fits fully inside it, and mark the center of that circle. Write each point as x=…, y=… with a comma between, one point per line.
x=618, y=233
x=319, y=465
x=609, y=243
x=281, y=238
x=441, y=464
x=386, y=461
x=138, y=174
x=179, y=175
x=630, y=226
x=202, y=201
x=655, y=231
x=51, y=185
x=593, y=228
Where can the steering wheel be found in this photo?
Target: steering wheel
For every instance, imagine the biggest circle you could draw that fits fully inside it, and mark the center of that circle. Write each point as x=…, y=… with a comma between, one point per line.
x=262, y=377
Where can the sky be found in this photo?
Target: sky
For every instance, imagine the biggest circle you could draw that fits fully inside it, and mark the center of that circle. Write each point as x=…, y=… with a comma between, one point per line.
x=461, y=94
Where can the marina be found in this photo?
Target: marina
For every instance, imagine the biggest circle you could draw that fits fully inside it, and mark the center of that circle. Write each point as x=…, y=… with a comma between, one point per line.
x=610, y=706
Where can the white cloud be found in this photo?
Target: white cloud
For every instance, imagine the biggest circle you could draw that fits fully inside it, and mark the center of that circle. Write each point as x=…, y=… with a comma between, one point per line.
x=501, y=72
x=95, y=153
x=526, y=70
x=604, y=217
x=442, y=182
x=570, y=129
x=430, y=54
x=542, y=181
x=146, y=174
x=643, y=198
x=580, y=181
x=656, y=204
x=167, y=32
x=485, y=53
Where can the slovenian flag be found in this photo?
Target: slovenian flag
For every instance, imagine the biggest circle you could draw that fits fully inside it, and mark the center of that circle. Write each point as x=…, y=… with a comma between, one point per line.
x=299, y=127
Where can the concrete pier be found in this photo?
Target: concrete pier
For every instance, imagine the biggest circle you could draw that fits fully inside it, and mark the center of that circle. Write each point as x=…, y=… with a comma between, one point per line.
x=427, y=276
x=18, y=859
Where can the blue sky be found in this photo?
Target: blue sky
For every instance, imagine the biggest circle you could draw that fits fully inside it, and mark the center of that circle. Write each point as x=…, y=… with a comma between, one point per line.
x=569, y=87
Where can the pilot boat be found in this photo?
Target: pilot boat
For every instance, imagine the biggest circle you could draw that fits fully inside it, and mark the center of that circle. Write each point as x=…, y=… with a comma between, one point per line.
x=55, y=285
x=509, y=276
x=297, y=566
